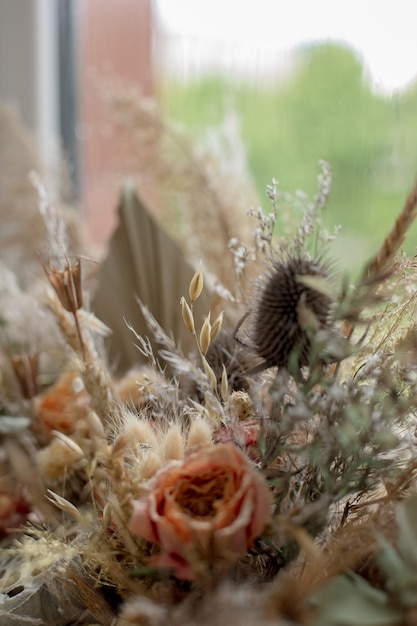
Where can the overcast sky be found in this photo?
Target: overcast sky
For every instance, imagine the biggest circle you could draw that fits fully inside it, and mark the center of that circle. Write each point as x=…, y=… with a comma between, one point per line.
x=383, y=32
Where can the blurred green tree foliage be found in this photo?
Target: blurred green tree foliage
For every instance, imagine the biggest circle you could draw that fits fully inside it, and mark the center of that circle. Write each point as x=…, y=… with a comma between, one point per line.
x=325, y=109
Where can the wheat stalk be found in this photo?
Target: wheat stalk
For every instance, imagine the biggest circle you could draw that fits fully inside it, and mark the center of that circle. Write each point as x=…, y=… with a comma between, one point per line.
x=393, y=241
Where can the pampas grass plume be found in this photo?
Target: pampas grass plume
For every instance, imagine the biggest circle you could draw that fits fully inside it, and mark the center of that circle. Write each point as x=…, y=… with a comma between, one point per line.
x=136, y=431
x=173, y=443
x=200, y=433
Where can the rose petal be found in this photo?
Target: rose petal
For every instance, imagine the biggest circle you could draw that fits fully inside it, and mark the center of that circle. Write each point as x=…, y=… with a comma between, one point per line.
x=168, y=561
x=141, y=522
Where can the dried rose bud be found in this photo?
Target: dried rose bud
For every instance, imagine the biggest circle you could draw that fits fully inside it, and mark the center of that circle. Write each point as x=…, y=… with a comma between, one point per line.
x=68, y=285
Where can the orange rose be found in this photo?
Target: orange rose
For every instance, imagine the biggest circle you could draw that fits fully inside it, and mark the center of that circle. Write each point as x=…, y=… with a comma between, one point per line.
x=63, y=404
x=208, y=507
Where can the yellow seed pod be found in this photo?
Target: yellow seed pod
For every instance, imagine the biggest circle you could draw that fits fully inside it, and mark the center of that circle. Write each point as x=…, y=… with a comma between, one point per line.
x=187, y=315
x=205, y=335
x=216, y=326
x=196, y=285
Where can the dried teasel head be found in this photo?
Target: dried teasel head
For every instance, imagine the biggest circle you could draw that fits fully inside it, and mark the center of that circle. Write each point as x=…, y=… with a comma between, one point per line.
x=292, y=305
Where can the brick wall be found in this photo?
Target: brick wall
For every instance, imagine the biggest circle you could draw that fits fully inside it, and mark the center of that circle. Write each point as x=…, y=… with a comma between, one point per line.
x=115, y=49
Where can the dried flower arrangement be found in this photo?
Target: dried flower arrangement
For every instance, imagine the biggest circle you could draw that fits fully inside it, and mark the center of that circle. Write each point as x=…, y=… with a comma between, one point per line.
x=265, y=476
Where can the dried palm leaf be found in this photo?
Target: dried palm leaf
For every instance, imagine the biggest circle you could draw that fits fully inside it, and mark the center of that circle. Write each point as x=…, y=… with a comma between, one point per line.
x=142, y=262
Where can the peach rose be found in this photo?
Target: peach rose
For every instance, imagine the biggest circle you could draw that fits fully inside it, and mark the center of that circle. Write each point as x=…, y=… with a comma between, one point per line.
x=208, y=507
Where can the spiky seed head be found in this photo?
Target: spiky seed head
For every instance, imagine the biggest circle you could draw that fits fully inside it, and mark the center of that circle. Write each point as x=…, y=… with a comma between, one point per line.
x=279, y=329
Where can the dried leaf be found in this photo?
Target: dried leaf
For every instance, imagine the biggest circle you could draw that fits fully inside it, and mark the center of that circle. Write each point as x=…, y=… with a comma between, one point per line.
x=142, y=261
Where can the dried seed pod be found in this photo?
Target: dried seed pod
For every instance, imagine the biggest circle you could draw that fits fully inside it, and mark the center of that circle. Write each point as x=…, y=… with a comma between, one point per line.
x=196, y=285
x=209, y=373
x=67, y=284
x=187, y=315
x=205, y=335
x=216, y=326
x=286, y=302
x=225, y=351
x=224, y=384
